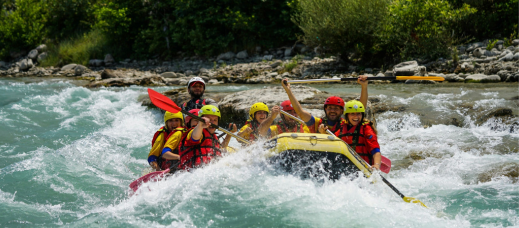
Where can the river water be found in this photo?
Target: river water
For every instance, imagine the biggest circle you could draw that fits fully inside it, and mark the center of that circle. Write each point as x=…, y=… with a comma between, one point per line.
x=68, y=154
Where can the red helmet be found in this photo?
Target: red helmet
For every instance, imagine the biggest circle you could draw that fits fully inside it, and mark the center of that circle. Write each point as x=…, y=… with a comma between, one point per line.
x=286, y=106
x=194, y=112
x=334, y=100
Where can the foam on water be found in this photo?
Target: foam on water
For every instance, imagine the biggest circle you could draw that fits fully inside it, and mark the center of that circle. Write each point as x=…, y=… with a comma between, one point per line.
x=69, y=154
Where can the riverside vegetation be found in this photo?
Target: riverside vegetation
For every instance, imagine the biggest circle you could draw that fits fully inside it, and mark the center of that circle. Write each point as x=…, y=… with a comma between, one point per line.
x=270, y=39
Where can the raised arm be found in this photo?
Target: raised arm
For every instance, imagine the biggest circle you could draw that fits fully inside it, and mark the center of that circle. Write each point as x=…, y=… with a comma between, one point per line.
x=265, y=126
x=363, y=81
x=228, y=137
x=304, y=115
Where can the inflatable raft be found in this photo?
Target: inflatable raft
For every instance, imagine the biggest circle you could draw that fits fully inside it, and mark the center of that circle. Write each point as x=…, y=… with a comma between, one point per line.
x=313, y=155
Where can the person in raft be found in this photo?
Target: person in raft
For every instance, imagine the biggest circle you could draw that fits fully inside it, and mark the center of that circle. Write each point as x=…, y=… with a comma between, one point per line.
x=359, y=133
x=190, y=121
x=258, y=113
x=196, y=89
x=173, y=122
x=201, y=143
x=286, y=124
x=333, y=109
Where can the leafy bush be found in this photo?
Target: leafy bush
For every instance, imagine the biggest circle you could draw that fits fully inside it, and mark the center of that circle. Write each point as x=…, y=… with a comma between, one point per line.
x=69, y=18
x=491, y=44
x=342, y=26
x=77, y=50
x=21, y=26
x=421, y=28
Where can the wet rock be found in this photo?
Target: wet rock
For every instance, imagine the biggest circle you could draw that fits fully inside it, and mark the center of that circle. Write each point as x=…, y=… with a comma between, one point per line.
x=68, y=67
x=95, y=62
x=504, y=74
x=499, y=112
x=408, y=68
x=508, y=169
x=513, y=77
x=33, y=54
x=80, y=70
x=124, y=82
x=41, y=48
x=42, y=57
x=482, y=78
x=169, y=75
x=109, y=73
x=242, y=55
x=226, y=56
x=109, y=60
x=453, y=78
x=25, y=64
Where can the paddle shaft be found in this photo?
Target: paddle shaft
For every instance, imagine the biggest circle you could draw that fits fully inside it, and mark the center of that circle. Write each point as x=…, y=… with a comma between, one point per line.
x=369, y=78
x=215, y=126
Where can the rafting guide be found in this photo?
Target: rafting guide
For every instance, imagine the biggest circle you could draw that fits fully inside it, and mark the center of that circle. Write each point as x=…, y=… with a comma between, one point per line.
x=196, y=89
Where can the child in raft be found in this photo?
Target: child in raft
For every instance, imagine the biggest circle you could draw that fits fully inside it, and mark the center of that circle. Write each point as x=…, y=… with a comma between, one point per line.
x=173, y=123
x=258, y=113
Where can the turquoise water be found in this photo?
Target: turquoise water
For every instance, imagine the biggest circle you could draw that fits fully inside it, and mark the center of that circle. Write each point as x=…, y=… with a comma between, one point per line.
x=69, y=153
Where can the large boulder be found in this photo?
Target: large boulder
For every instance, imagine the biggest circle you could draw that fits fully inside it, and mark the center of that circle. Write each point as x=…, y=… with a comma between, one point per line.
x=508, y=57
x=25, y=64
x=242, y=55
x=95, y=62
x=513, y=77
x=473, y=46
x=169, y=75
x=80, y=69
x=453, y=78
x=515, y=42
x=108, y=73
x=226, y=56
x=33, y=54
x=289, y=52
x=504, y=74
x=408, y=68
x=42, y=57
x=68, y=67
x=478, y=52
x=109, y=60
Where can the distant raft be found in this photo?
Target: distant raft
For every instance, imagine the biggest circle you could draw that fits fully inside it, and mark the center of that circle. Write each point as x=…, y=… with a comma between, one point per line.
x=313, y=155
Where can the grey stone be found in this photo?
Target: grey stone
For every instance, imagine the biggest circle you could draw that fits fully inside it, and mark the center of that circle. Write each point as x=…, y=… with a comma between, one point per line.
x=279, y=52
x=408, y=68
x=41, y=48
x=213, y=82
x=276, y=64
x=226, y=56
x=464, y=56
x=33, y=54
x=304, y=50
x=169, y=75
x=483, y=78
x=389, y=73
x=380, y=74
x=510, y=48
x=95, y=62
x=453, y=78
x=242, y=55
x=42, y=56
x=268, y=57
x=368, y=70
x=504, y=74
x=26, y=64
x=515, y=42
x=258, y=49
x=69, y=67
x=467, y=67
x=2, y=64
x=516, y=49
x=288, y=52
x=80, y=69
x=189, y=72
x=436, y=74
x=508, y=57
x=273, y=74
x=516, y=56
x=513, y=77
x=109, y=60
x=478, y=52
x=473, y=46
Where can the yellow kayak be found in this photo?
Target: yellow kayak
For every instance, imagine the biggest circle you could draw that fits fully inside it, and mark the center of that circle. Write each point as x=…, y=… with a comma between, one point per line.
x=314, y=155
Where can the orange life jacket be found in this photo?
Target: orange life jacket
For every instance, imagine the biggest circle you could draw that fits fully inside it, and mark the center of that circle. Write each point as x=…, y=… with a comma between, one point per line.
x=199, y=154
x=356, y=138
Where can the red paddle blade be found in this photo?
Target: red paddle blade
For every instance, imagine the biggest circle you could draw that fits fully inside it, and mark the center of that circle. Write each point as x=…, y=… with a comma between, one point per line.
x=163, y=102
x=385, y=165
x=153, y=176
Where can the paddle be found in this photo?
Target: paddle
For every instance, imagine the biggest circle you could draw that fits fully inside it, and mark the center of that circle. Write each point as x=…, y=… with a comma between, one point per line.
x=439, y=79
x=167, y=104
x=385, y=165
x=365, y=164
x=148, y=177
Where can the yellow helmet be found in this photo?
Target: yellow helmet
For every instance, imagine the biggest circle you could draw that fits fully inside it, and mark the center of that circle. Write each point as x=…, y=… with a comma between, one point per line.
x=169, y=115
x=209, y=110
x=354, y=106
x=260, y=106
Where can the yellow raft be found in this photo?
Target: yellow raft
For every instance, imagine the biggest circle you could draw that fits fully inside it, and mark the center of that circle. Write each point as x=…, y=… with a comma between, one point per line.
x=314, y=155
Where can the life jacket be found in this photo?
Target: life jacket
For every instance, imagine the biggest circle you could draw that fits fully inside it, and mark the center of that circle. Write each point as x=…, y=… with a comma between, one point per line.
x=254, y=125
x=333, y=128
x=164, y=163
x=282, y=128
x=198, y=104
x=160, y=131
x=199, y=154
x=356, y=138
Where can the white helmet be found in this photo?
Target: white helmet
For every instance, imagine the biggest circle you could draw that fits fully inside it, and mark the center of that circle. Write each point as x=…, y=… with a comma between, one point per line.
x=195, y=79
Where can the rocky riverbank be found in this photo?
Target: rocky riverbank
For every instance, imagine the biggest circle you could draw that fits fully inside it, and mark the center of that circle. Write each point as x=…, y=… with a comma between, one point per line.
x=473, y=63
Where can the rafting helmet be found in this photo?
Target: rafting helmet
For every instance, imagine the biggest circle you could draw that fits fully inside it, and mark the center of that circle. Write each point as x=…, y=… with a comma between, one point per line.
x=354, y=106
x=334, y=100
x=209, y=110
x=194, y=112
x=169, y=115
x=260, y=106
x=286, y=106
x=194, y=80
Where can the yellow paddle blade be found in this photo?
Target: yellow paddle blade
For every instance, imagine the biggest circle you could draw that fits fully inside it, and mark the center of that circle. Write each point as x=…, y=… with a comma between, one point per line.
x=413, y=200
x=439, y=79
